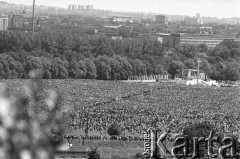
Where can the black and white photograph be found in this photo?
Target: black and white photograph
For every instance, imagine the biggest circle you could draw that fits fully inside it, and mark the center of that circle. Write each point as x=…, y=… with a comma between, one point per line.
x=119, y=79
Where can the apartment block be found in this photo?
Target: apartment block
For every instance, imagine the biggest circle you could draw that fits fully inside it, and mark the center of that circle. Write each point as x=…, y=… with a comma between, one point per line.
x=3, y=22
x=89, y=7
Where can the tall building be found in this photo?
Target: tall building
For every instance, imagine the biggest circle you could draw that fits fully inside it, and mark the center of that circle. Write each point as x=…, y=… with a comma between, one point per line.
x=69, y=7
x=3, y=22
x=74, y=7
x=89, y=7
x=13, y=21
x=161, y=19
x=80, y=7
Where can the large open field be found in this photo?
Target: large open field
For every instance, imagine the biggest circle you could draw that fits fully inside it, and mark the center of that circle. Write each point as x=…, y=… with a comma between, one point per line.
x=137, y=106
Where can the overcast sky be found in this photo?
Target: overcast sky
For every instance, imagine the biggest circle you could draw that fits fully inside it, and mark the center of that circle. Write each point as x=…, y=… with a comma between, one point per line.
x=213, y=8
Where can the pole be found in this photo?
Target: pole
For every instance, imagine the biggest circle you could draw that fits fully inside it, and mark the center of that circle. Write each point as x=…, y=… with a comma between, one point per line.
x=33, y=12
x=198, y=70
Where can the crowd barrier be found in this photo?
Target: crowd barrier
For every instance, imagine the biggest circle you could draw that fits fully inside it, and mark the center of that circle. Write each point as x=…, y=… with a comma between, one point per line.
x=148, y=77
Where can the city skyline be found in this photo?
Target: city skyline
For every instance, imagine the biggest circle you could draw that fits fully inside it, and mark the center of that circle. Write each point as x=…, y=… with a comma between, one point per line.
x=211, y=8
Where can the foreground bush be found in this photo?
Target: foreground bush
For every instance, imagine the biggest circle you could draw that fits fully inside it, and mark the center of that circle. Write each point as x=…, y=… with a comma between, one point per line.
x=26, y=123
x=94, y=154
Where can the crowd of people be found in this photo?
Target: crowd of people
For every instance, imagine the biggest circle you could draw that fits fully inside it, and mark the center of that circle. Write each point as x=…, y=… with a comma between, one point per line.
x=99, y=137
x=162, y=106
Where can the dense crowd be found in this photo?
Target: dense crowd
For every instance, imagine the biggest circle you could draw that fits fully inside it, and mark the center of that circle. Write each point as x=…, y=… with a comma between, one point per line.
x=99, y=137
x=163, y=106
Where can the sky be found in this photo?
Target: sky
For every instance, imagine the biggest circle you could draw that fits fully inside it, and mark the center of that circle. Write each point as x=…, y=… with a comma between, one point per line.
x=211, y=8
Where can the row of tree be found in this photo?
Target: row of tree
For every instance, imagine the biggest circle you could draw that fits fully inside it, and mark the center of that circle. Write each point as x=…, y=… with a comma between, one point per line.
x=76, y=55
x=102, y=67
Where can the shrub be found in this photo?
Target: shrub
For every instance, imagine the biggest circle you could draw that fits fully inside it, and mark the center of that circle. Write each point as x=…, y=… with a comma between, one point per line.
x=26, y=123
x=94, y=154
x=199, y=130
x=114, y=129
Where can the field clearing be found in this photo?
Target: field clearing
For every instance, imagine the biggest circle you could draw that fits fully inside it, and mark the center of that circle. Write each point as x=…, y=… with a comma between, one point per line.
x=148, y=104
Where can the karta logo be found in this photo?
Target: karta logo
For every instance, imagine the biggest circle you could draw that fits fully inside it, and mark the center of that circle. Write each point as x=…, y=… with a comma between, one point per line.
x=181, y=148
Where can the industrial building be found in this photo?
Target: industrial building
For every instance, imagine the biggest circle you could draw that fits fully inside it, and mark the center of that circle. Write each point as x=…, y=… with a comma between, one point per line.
x=3, y=22
x=210, y=40
x=173, y=40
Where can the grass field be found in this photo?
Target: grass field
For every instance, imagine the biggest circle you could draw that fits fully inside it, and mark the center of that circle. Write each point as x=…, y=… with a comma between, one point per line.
x=175, y=106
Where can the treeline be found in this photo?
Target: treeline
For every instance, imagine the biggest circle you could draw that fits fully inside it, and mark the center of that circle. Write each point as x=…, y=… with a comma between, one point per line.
x=75, y=55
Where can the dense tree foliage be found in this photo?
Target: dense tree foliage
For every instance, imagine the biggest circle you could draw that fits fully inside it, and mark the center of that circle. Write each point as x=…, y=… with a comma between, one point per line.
x=72, y=54
x=198, y=130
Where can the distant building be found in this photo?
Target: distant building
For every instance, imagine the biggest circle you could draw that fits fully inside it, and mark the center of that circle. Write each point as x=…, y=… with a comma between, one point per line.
x=12, y=20
x=206, y=30
x=89, y=7
x=161, y=19
x=90, y=31
x=3, y=22
x=69, y=7
x=42, y=7
x=172, y=40
x=198, y=15
x=193, y=21
x=80, y=7
x=123, y=19
x=210, y=40
x=74, y=7
x=18, y=22
x=112, y=33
